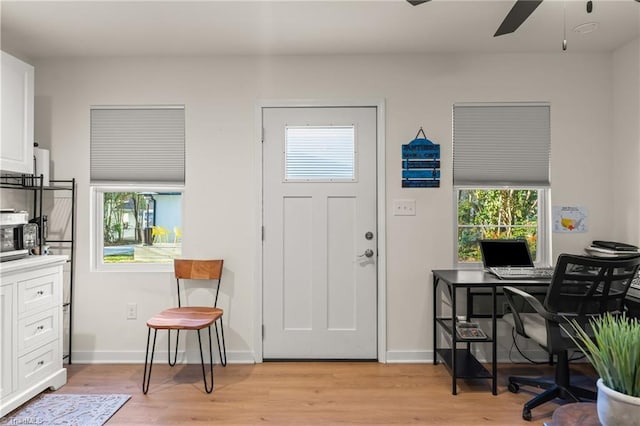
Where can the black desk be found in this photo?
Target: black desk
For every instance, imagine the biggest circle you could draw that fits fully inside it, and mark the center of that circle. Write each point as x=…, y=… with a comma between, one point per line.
x=461, y=362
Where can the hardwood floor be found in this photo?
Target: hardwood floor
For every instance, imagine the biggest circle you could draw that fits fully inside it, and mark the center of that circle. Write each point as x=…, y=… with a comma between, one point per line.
x=310, y=393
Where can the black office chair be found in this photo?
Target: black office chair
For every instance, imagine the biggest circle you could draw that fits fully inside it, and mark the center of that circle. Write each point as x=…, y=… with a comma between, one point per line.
x=582, y=287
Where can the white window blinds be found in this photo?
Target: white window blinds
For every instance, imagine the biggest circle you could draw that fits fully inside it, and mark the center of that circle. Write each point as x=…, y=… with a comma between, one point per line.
x=137, y=145
x=501, y=145
x=320, y=153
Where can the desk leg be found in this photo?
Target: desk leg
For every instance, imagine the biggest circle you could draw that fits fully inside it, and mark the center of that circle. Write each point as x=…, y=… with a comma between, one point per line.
x=454, y=341
x=435, y=323
x=494, y=343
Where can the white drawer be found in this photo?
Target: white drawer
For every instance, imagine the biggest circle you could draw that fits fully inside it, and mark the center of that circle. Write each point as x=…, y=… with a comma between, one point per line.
x=37, y=294
x=38, y=329
x=38, y=364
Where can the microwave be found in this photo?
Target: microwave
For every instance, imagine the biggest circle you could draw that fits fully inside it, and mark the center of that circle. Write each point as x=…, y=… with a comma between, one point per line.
x=17, y=236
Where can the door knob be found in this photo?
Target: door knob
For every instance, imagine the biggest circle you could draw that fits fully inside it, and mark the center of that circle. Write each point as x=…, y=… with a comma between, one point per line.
x=367, y=253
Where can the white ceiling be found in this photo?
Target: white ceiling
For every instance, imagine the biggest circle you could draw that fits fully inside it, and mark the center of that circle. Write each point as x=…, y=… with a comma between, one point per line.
x=36, y=29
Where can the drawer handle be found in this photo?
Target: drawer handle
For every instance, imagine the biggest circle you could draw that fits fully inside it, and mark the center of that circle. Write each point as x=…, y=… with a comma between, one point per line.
x=40, y=328
x=41, y=362
x=40, y=292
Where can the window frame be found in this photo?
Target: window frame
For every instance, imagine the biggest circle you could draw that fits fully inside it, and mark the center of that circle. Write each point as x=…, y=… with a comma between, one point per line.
x=544, y=228
x=97, y=229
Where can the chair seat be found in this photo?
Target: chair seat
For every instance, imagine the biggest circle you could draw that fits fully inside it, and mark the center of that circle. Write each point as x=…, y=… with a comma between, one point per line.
x=534, y=326
x=195, y=309
x=182, y=320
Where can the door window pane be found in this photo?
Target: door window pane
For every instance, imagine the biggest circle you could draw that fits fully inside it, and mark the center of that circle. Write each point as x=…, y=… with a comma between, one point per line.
x=320, y=153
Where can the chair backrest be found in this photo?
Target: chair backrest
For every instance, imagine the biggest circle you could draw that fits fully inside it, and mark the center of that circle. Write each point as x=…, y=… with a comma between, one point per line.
x=583, y=287
x=191, y=269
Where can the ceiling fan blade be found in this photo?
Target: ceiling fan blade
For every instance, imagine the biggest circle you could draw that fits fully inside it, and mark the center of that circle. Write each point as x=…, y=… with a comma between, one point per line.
x=517, y=15
x=417, y=2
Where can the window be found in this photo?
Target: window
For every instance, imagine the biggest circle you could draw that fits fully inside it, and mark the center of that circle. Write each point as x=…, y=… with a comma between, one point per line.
x=137, y=183
x=139, y=227
x=501, y=176
x=320, y=153
x=497, y=213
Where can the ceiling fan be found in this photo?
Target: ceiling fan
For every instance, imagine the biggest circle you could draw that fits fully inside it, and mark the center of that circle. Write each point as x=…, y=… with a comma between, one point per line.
x=516, y=16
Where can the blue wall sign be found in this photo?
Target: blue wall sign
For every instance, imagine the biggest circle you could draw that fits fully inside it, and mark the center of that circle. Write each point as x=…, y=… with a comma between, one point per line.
x=421, y=163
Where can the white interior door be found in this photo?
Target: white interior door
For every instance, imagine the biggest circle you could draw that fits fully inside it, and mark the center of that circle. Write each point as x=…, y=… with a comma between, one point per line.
x=320, y=243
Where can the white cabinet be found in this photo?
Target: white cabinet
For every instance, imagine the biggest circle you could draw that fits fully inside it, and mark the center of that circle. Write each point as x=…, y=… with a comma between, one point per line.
x=8, y=342
x=16, y=141
x=31, y=340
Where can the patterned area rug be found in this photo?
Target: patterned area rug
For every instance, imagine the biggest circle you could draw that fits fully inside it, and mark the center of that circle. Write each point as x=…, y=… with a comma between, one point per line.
x=50, y=409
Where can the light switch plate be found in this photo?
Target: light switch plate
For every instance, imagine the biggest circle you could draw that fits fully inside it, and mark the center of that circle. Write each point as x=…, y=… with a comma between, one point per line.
x=404, y=207
x=132, y=311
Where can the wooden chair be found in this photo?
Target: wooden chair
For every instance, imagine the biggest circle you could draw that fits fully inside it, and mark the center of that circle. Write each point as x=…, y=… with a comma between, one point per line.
x=189, y=318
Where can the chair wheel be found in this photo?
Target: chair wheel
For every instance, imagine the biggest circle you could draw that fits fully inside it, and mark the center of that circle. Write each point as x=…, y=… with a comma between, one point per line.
x=513, y=388
x=526, y=414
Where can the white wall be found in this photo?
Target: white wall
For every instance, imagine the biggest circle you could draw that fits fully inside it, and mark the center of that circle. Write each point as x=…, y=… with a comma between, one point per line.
x=220, y=219
x=626, y=143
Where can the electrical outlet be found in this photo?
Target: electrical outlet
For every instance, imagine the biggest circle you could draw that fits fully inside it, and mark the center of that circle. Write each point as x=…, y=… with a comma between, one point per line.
x=132, y=311
x=404, y=207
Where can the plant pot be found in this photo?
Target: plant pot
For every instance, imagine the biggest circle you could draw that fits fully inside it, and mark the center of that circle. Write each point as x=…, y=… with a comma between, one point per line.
x=617, y=409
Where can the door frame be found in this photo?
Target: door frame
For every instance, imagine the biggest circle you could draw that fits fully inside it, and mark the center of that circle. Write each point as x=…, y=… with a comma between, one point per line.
x=381, y=264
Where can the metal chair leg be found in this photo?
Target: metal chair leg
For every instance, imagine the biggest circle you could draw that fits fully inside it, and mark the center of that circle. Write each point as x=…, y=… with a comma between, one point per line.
x=222, y=350
x=175, y=355
x=147, y=378
x=207, y=388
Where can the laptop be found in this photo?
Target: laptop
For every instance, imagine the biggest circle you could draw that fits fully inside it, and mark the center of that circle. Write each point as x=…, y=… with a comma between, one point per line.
x=511, y=259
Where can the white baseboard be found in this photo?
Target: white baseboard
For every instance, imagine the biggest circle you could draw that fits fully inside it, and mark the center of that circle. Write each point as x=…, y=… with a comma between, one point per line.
x=247, y=357
x=409, y=357
x=137, y=357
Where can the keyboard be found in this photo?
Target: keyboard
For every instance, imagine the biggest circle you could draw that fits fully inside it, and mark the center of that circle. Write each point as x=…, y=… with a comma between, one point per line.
x=506, y=273
x=635, y=283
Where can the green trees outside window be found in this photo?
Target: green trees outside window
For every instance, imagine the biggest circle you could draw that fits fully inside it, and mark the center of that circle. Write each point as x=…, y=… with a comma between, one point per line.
x=495, y=213
x=122, y=211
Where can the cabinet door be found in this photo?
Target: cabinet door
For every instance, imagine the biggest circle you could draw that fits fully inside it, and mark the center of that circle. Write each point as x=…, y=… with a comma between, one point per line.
x=7, y=318
x=16, y=144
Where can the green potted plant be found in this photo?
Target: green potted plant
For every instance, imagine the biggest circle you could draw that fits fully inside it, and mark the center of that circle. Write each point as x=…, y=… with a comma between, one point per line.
x=613, y=348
